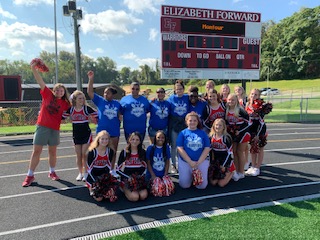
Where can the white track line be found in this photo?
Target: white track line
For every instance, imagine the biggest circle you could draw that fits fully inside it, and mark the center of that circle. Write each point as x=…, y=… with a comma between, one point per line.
x=154, y=206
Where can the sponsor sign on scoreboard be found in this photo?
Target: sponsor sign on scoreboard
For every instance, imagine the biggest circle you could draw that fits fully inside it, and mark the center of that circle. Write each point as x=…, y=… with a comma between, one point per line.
x=210, y=44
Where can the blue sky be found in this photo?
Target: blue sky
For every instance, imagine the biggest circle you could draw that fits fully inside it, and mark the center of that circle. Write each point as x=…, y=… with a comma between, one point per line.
x=127, y=31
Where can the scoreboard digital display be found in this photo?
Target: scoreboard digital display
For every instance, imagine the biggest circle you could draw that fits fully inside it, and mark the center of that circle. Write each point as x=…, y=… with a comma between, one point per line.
x=212, y=27
x=210, y=44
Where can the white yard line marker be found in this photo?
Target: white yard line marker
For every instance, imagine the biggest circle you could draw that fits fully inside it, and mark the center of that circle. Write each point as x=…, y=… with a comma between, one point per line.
x=20, y=230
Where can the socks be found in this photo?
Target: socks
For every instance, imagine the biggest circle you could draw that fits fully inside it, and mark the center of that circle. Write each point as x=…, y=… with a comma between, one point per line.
x=30, y=173
x=51, y=169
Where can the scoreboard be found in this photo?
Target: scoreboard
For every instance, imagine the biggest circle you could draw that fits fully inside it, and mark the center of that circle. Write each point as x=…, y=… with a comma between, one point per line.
x=209, y=44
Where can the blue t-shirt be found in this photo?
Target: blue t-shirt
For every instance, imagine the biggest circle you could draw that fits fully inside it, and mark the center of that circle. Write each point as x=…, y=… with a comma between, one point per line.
x=157, y=161
x=193, y=142
x=108, y=113
x=134, y=112
x=179, y=105
x=198, y=108
x=159, y=114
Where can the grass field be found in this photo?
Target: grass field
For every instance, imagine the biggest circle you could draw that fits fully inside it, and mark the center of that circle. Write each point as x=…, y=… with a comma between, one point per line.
x=296, y=87
x=297, y=220
x=298, y=102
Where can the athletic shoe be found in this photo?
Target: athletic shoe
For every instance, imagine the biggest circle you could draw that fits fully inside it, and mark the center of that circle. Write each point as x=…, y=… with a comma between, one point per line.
x=237, y=176
x=79, y=177
x=53, y=176
x=84, y=178
x=173, y=169
x=27, y=181
x=249, y=171
x=255, y=172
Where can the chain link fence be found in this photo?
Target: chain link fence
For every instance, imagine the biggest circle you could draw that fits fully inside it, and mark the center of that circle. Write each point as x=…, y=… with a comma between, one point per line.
x=285, y=109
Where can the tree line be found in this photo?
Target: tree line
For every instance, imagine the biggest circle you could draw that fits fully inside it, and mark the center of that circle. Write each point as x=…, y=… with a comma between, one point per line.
x=290, y=49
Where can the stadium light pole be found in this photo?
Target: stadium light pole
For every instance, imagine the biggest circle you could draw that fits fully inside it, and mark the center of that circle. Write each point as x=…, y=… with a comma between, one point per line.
x=76, y=15
x=55, y=40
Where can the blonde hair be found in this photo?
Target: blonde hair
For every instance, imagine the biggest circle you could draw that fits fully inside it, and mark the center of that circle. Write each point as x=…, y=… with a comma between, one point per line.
x=243, y=95
x=76, y=94
x=194, y=114
x=224, y=132
x=236, y=107
x=95, y=142
x=249, y=97
x=211, y=82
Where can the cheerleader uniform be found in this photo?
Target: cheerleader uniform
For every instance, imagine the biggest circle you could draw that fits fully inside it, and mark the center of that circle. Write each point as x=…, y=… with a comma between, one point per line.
x=258, y=126
x=240, y=124
x=210, y=114
x=99, y=179
x=220, y=156
x=132, y=167
x=80, y=123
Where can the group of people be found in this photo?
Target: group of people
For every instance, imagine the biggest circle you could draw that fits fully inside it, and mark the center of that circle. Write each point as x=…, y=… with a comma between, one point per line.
x=205, y=139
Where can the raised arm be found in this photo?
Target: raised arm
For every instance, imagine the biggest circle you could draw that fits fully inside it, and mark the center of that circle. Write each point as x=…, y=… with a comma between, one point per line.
x=37, y=76
x=90, y=84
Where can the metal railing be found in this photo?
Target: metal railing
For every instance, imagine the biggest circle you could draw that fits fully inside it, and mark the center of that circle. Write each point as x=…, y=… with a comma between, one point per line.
x=285, y=109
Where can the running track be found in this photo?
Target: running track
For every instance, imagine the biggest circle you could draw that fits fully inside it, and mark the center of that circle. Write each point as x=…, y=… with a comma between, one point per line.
x=64, y=210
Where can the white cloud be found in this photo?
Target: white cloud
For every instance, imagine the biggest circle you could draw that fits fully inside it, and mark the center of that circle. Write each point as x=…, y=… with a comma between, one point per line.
x=16, y=44
x=18, y=38
x=293, y=3
x=109, y=23
x=18, y=54
x=97, y=50
x=153, y=33
x=32, y=2
x=151, y=62
x=236, y=1
x=140, y=61
x=6, y=14
x=139, y=6
x=129, y=56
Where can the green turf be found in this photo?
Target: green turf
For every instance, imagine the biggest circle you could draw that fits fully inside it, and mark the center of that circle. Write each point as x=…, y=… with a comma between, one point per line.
x=299, y=220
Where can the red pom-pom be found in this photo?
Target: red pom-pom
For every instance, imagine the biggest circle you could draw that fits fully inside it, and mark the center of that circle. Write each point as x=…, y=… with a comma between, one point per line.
x=39, y=65
x=157, y=188
x=169, y=186
x=197, y=177
x=260, y=106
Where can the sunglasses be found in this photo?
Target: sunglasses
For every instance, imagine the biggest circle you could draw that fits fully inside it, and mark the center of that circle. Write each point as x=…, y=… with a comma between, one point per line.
x=160, y=91
x=194, y=96
x=135, y=89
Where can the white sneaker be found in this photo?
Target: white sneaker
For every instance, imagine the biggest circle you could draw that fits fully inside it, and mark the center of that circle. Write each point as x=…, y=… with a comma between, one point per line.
x=173, y=169
x=249, y=171
x=79, y=177
x=84, y=177
x=255, y=172
x=237, y=176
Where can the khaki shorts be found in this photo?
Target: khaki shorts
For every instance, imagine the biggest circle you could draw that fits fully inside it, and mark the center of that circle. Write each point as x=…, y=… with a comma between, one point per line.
x=46, y=136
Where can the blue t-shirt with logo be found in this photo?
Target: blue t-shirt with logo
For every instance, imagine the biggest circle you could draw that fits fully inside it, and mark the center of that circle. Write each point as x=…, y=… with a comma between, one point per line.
x=158, y=161
x=179, y=105
x=193, y=142
x=134, y=111
x=198, y=108
x=159, y=114
x=108, y=113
